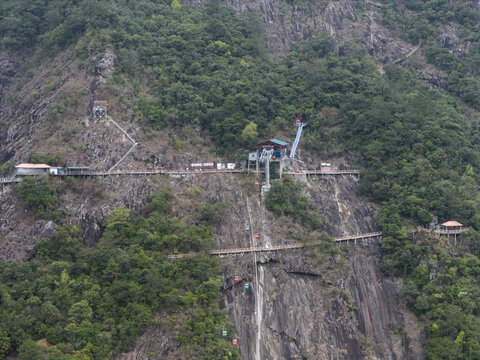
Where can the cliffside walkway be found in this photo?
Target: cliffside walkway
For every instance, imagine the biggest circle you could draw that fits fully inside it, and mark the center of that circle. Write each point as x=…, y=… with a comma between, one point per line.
x=10, y=180
x=201, y=171
x=413, y=51
x=179, y=172
x=151, y=172
x=374, y=3
x=324, y=173
x=338, y=240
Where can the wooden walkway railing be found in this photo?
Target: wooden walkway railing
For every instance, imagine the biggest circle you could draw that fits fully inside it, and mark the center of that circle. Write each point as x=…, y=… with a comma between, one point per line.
x=150, y=172
x=374, y=3
x=450, y=232
x=292, y=246
x=419, y=44
x=10, y=180
x=200, y=171
x=323, y=173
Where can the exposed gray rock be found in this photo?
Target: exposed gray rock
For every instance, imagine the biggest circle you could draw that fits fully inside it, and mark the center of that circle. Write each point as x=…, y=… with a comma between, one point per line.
x=304, y=312
x=285, y=24
x=105, y=66
x=19, y=230
x=450, y=38
x=7, y=72
x=103, y=70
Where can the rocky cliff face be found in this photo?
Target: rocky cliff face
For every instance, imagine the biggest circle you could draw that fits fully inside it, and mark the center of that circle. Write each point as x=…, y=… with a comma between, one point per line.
x=300, y=304
x=347, y=21
x=303, y=304
x=57, y=120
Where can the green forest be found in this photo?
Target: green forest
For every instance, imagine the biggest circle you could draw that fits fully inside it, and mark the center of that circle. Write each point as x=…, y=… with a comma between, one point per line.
x=207, y=67
x=91, y=303
x=430, y=21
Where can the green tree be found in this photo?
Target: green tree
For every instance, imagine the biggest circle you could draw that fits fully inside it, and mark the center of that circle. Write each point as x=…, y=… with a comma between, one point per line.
x=4, y=343
x=249, y=133
x=80, y=311
x=37, y=197
x=30, y=350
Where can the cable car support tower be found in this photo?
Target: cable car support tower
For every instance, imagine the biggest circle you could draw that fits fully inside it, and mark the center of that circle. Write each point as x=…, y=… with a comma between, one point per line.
x=265, y=157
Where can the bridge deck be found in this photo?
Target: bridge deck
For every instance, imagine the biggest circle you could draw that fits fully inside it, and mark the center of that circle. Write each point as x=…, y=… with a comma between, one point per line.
x=292, y=246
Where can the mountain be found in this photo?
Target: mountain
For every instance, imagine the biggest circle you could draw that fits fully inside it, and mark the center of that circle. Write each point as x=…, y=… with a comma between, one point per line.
x=90, y=266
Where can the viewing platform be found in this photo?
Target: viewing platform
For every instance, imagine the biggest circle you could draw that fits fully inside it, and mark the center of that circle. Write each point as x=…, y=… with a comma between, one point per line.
x=450, y=228
x=450, y=232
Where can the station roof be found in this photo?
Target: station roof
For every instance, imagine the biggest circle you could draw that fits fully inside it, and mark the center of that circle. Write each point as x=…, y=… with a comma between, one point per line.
x=78, y=167
x=273, y=142
x=32, y=166
x=279, y=142
x=451, y=223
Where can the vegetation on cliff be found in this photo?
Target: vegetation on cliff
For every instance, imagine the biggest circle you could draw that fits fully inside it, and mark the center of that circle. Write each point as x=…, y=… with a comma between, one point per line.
x=89, y=303
x=206, y=67
x=450, y=31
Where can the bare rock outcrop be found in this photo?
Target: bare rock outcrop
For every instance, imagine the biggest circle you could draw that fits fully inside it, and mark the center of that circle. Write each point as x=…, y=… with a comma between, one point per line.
x=103, y=69
x=106, y=65
x=299, y=296
x=284, y=25
x=7, y=72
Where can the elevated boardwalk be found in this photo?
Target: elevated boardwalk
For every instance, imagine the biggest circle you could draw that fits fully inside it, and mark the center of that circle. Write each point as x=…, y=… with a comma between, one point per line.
x=374, y=3
x=10, y=180
x=201, y=171
x=324, y=173
x=338, y=240
x=413, y=51
x=151, y=172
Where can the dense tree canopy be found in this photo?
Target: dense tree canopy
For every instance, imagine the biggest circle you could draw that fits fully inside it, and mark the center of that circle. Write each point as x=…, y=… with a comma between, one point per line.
x=94, y=302
x=205, y=67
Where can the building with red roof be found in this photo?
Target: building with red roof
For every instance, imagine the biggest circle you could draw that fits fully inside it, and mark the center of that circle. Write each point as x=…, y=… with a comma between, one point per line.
x=32, y=169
